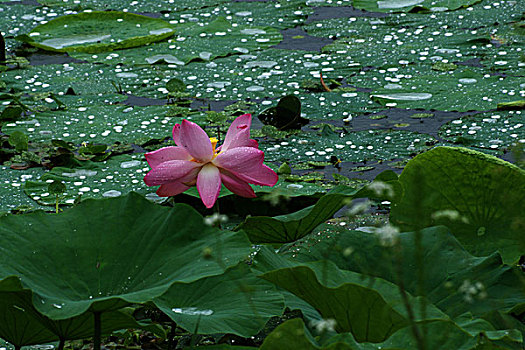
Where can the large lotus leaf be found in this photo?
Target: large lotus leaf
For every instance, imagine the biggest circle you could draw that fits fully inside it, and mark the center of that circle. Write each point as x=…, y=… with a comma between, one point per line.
x=218, y=38
x=98, y=31
x=508, y=338
x=21, y=324
x=18, y=324
x=499, y=130
x=241, y=303
x=408, y=5
x=367, y=145
x=87, y=257
x=291, y=227
x=369, y=308
x=266, y=260
x=440, y=334
x=486, y=193
x=291, y=334
x=452, y=279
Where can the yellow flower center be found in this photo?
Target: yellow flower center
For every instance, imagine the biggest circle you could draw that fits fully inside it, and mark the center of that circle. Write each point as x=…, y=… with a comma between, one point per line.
x=213, y=143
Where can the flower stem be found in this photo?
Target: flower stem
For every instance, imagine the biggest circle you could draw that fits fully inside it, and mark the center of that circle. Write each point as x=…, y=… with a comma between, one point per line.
x=217, y=211
x=97, y=335
x=2, y=51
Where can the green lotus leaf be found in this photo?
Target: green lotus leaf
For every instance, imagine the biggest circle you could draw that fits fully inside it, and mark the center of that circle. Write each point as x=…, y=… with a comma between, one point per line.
x=291, y=334
x=439, y=334
x=241, y=303
x=480, y=197
x=104, y=254
x=21, y=324
x=290, y=227
x=98, y=31
x=369, y=308
x=452, y=279
x=18, y=324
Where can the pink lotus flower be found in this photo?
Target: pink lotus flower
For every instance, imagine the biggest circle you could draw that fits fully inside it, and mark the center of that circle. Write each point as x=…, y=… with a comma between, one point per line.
x=196, y=161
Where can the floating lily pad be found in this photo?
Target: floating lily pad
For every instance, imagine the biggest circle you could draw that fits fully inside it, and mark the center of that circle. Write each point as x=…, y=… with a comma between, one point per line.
x=460, y=90
x=484, y=195
x=98, y=31
x=101, y=237
x=106, y=84
x=133, y=6
x=12, y=195
x=194, y=42
x=250, y=74
x=408, y=5
x=352, y=146
x=498, y=131
x=98, y=124
x=454, y=38
x=114, y=177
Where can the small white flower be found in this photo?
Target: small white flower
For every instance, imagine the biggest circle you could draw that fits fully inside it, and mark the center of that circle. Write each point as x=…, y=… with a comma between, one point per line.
x=381, y=188
x=324, y=325
x=472, y=290
x=359, y=208
x=388, y=235
x=450, y=214
x=214, y=219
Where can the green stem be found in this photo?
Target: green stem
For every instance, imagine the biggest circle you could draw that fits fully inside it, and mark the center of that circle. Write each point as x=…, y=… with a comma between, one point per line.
x=97, y=335
x=171, y=336
x=216, y=209
x=61, y=344
x=2, y=50
x=416, y=332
